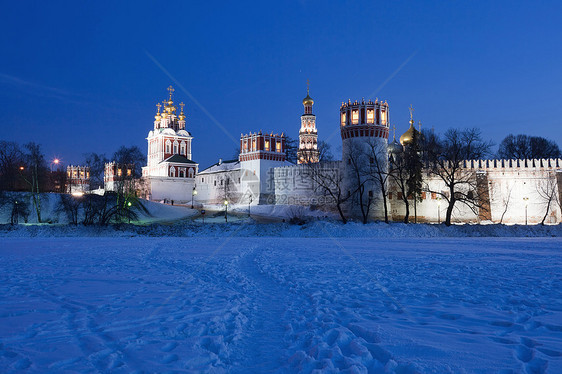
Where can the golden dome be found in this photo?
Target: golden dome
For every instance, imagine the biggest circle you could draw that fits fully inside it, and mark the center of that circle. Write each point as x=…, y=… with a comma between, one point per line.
x=408, y=136
x=307, y=100
x=158, y=117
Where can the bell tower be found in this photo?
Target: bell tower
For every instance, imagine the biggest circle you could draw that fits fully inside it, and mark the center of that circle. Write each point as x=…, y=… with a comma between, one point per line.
x=308, y=135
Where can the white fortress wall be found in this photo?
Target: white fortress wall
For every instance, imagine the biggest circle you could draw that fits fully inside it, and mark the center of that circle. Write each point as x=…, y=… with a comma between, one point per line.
x=514, y=188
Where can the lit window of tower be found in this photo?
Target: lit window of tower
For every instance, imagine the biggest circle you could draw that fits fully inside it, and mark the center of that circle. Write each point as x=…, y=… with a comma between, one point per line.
x=308, y=135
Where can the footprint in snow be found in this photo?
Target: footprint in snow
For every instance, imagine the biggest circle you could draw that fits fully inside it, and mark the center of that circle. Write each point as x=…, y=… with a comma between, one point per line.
x=168, y=347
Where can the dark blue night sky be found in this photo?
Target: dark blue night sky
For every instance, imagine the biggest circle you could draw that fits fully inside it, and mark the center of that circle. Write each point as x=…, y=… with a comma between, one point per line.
x=79, y=77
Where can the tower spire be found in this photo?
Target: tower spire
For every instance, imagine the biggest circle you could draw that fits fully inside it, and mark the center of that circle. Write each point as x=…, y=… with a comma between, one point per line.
x=307, y=87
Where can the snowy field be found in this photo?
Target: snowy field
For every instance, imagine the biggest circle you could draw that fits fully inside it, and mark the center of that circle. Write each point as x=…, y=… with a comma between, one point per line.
x=280, y=304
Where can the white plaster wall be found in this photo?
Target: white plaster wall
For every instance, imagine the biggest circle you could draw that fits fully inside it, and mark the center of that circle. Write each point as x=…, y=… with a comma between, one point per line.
x=176, y=189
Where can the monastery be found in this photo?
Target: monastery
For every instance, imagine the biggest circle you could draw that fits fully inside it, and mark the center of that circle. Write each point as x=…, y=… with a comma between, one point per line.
x=511, y=191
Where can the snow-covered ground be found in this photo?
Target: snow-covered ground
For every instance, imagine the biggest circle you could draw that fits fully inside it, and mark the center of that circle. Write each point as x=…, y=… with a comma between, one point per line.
x=51, y=211
x=237, y=304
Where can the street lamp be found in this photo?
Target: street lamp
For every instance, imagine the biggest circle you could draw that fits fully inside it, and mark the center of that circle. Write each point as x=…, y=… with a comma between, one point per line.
x=438, y=210
x=129, y=210
x=193, y=193
x=226, y=210
x=526, y=200
x=56, y=162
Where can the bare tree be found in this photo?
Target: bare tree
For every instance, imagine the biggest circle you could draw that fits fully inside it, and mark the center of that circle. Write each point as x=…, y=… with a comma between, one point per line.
x=377, y=170
x=70, y=206
x=527, y=147
x=327, y=180
x=447, y=162
x=547, y=191
x=129, y=160
x=291, y=148
x=35, y=174
x=355, y=164
x=96, y=162
x=405, y=171
x=11, y=158
x=504, y=198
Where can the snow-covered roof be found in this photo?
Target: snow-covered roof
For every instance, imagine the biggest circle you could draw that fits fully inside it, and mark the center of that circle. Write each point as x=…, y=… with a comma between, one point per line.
x=178, y=159
x=222, y=166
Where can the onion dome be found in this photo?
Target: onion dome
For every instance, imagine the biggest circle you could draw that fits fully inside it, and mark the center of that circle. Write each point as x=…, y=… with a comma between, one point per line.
x=394, y=147
x=158, y=117
x=409, y=135
x=307, y=100
x=181, y=116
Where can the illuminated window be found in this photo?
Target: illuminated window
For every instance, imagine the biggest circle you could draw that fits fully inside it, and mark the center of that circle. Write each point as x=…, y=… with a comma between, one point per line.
x=355, y=116
x=128, y=172
x=343, y=119
x=278, y=146
x=254, y=145
x=267, y=145
x=383, y=117
x=119, y=172
x=370, y=116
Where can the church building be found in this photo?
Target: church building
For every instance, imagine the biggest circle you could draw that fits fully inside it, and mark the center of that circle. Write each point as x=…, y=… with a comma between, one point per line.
x=170, y=171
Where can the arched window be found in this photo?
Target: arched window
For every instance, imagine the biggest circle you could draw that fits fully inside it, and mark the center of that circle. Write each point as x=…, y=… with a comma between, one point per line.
x=190, y=173
x=182, y=173
x=182, y=147
x=172, y=171
x=370, y=115
x=168, y=146
x=176, y=147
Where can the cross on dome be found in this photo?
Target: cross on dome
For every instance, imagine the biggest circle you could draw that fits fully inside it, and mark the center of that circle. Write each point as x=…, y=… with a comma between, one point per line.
x=171, y=91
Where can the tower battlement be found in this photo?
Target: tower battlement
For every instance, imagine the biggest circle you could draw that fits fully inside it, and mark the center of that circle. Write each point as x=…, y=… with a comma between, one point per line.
x=364, y=119
x=255, y=146
x=513, y=164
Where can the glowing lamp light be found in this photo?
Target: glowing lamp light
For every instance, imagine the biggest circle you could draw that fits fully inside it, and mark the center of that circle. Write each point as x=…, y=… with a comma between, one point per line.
x=56, y=161
x=226, y=202
x=21, y=168
x=129, y=204
x=195, y=192
x=77, y=194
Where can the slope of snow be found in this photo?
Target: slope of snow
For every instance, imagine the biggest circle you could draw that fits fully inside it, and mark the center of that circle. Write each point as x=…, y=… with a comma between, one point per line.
x=50, y=210
x=281, y=304
x=245, y=227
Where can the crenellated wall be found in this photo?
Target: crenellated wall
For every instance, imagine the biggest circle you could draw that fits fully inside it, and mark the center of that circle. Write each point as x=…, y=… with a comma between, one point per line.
x=511, y=191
